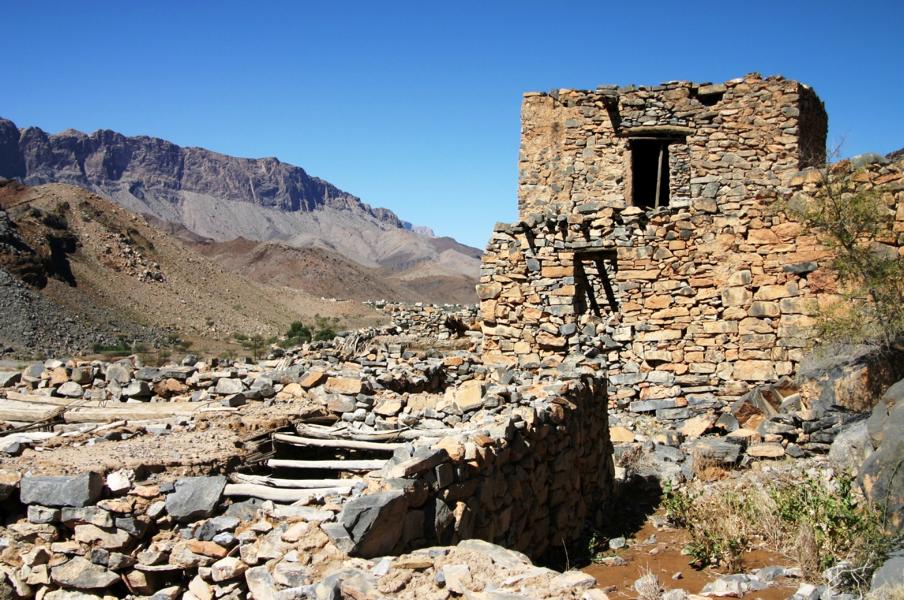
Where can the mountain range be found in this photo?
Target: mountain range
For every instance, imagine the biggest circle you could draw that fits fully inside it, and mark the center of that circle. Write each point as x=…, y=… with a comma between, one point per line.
x=267, y=219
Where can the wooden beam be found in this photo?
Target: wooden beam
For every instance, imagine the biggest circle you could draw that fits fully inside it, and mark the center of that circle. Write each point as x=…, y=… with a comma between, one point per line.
x=279, y=494
x=659, y=175
x=295, y=483
x=328, y=465
x=13, y=410
x=336, y=443
x=607, y=285
x=658, y=131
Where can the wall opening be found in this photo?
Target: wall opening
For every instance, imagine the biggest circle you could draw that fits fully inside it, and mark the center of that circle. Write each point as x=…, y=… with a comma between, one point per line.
x=650, y=172
x=594, y=273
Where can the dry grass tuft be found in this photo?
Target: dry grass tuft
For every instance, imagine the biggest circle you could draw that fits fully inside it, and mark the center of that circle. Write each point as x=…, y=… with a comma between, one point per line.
x=708, y=469
x=648, y=586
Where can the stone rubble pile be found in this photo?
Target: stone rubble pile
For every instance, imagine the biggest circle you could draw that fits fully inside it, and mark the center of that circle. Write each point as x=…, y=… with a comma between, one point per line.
x=437, y=321
x=505, y=456
x=770, y=422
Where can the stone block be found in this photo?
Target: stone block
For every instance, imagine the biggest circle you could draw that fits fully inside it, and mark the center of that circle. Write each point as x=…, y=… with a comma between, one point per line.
x=754, y=370
x=373, y=522
x=195, y=497
x=62, y=490
x=343, y=385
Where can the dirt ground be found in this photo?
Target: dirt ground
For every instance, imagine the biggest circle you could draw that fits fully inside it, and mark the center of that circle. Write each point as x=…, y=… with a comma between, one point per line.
x=213, y=445
x=659, y=551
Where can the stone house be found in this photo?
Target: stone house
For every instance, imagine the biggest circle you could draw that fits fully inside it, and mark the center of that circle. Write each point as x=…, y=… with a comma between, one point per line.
x=647, y=230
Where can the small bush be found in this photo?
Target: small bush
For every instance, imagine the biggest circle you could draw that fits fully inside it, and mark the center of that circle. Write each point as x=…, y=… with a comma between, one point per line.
x=677, y=505
x=122, y=346
x=298, y=334
x=855, y=222
x=822, y=524
x=325, y=327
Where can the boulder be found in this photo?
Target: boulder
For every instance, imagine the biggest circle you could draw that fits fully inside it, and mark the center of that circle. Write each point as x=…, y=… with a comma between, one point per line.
x=851, y=447
x=343, y=385
x=70, y=389
x=32, y=373
x=261, y=584
x=469, y=395
x=9, y=481
x=766, y=450
x=195, y=497
x=890, y=574
x=716, y=451
x=8, y=378
x=62, y=490
x=881, y=479
x=890, y=406
x=119, y=374
x=312, y=378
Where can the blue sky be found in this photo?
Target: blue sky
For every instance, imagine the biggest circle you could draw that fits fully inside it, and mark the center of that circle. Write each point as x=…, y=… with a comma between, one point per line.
x=415, y=105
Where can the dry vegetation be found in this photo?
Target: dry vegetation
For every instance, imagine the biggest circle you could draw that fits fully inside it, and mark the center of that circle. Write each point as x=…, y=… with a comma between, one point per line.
x=818, y=521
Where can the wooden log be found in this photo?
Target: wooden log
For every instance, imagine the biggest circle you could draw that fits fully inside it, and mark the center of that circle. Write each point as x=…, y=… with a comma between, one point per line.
x=295, y=483
x=144, y=411
x=336, y=443
x=12, y=410
x=53, y=400
x=308, y=430
x=92, y=411
x=328, y=465
x=279, y=494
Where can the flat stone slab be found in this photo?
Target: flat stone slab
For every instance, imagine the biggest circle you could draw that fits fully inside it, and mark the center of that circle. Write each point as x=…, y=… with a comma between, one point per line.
x=62, y=490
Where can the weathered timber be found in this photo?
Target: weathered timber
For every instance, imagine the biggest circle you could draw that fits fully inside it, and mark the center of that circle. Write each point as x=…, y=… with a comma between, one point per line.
x=336, y=443
x=328, y=465
x=279, y=494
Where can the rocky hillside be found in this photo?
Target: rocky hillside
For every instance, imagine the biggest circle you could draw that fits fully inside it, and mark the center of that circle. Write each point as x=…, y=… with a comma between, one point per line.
x=223, y=198
x=322, y=272
x=78, y=271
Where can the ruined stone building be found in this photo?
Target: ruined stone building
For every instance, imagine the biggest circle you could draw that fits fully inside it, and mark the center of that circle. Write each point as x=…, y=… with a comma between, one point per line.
x=647, y=223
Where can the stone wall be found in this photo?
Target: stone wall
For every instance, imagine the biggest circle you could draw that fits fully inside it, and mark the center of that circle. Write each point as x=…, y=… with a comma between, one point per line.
x=731, y=142
x=714, y=293
x=439, y=321
x=529, y=480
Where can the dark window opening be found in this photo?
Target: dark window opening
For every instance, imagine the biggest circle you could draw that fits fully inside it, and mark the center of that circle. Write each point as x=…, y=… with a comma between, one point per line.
x=710, y=99
x=593, y=275
x=650, y=172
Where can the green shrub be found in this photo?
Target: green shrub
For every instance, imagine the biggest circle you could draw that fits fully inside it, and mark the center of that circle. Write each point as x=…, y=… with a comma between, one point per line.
x=677, y=504
x=325, y=328
x=298, y=334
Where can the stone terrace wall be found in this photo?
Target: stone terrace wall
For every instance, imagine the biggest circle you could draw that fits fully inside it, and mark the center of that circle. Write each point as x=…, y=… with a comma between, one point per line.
x=743, y=139
x=528, y=480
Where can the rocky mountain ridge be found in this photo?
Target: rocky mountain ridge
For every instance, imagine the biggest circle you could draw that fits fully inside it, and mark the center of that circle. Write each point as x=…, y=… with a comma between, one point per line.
x=223, y=198
x=144, y=166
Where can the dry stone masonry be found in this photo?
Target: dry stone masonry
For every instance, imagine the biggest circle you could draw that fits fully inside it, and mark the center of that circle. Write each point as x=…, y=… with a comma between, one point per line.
x=355, y=447
x=648, y=233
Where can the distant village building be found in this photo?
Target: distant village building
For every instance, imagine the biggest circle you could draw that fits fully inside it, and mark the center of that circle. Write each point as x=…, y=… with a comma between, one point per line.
x=647, y=229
